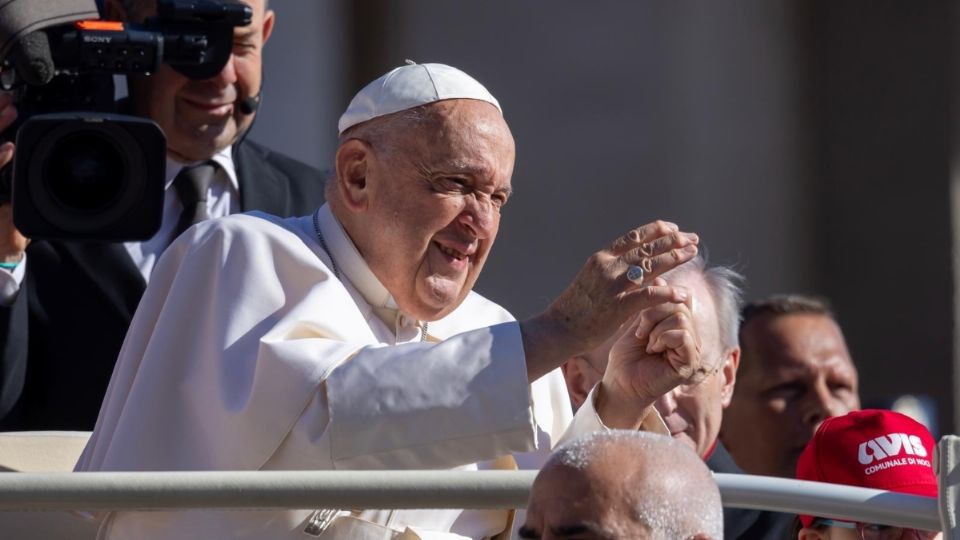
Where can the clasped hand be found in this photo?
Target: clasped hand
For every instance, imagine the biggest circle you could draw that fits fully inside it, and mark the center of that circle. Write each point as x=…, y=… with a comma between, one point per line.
x=656, y=351
x=602, y=298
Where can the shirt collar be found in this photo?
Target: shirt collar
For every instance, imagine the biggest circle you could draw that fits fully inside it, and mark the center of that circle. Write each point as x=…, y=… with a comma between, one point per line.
x=711, y=450
x=351, y=263
x=223, y=158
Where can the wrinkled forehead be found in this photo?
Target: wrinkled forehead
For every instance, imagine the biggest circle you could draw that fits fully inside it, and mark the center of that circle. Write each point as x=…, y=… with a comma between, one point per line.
x=795, y=334
x=465, y=118
x=801, y=342
x=461, y=134
x=564, y=492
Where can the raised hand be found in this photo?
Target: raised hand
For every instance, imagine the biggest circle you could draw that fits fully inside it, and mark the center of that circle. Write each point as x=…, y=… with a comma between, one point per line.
x=603, y=297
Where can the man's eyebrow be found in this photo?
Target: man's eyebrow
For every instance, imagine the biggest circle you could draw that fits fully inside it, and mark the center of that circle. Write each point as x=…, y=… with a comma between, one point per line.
x=528, y=533
x=789, y=373
x=465, y=169
x=570, y=530
x=580, y=528
x=473, y=171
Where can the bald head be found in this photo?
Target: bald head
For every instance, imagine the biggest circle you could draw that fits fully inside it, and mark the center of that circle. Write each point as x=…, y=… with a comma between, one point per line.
x=624, y=484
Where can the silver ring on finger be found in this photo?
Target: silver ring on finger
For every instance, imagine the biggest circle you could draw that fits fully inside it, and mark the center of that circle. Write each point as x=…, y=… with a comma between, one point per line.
x=635, y=274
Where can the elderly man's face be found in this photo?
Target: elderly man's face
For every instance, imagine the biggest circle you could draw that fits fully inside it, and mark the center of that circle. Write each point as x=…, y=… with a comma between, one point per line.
x=797, y=372
x=693, y=413
x=570, y=504
x=433, y=207
x=200, y=118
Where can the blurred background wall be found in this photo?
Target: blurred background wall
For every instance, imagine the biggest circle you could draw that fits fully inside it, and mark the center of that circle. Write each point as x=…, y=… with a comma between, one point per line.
x=808, y=142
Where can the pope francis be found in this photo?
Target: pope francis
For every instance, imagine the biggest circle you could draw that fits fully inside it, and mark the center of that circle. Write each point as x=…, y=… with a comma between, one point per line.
x=351, y=339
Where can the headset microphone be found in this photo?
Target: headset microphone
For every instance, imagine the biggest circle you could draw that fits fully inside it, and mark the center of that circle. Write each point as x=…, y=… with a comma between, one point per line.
x=32, y=58
x=249, y=105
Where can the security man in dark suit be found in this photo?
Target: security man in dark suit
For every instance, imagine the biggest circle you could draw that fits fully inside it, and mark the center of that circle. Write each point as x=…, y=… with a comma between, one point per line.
x=65, y=306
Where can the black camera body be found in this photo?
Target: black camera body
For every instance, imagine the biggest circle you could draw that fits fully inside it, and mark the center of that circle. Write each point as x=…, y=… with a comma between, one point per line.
x=82, y=171
x=89, y=176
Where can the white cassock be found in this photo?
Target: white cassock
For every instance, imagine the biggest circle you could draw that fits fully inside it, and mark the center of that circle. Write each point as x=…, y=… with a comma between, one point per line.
x=247, y=353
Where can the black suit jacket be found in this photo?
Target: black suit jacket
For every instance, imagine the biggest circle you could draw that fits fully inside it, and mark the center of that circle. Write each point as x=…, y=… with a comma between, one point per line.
x=745, y=524
x=61, y=337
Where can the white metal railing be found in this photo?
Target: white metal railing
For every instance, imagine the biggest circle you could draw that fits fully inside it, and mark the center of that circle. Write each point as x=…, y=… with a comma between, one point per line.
x=64, y=491
x=819, y=499
x=415, y=489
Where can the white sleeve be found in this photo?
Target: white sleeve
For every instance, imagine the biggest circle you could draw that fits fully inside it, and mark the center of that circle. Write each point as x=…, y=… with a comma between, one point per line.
x=587, y=420
x=245, y=353
x=418, y=406
x=10, y=281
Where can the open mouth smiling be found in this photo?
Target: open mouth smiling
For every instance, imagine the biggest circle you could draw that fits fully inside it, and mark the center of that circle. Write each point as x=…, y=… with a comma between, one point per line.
x=458, y=255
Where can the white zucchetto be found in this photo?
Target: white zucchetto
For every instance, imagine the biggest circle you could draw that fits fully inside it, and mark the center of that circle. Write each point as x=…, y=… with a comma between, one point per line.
x=410, y=86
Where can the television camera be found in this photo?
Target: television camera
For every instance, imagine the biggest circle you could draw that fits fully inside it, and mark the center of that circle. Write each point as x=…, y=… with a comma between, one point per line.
x=81, y=169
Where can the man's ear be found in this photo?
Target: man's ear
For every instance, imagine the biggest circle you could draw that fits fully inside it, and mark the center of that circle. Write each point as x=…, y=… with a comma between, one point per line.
x=807, y=533
x=729, y=373
x=268, y=20
x=113, y=10
x=579, y=382
x=351, y=176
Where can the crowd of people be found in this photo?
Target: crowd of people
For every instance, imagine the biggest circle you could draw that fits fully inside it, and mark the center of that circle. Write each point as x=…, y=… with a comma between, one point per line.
x=335, y=327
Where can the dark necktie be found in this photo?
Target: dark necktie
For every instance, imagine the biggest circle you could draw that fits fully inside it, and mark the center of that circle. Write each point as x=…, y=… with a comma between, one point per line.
x=192, y=184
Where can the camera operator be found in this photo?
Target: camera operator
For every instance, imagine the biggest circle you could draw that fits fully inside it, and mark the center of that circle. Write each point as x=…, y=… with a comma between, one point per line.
x=65, y=306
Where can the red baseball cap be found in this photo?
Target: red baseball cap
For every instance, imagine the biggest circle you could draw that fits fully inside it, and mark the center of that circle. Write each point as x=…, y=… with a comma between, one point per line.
x=872, y=449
